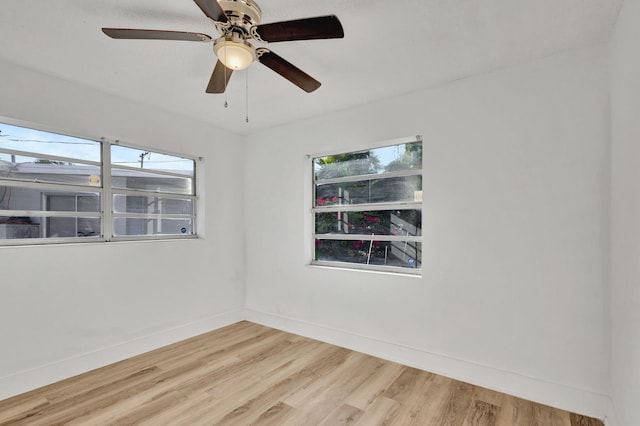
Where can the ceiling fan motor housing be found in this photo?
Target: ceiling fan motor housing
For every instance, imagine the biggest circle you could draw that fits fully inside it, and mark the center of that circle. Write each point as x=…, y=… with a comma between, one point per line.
x=241, y=15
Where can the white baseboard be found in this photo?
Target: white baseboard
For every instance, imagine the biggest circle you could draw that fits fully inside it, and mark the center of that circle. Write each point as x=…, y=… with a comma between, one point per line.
x=530, y=388
x=34, y=378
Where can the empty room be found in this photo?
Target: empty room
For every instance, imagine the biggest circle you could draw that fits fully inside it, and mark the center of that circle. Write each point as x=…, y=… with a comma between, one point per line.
x=279, y=212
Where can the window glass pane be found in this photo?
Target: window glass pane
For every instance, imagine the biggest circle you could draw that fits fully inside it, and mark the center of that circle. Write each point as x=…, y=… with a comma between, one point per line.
x=134, y=226
x=149, y=181
x=43, y=199
x=65, y=227
x=148, y=160
x=19, y=227
x=73, y=203
x=37, y=141
x=407, y=188
x=34, y=169
x=384, y=222
x=380, y=160
x=151, y=204
x=404, y=254
x=13, y=198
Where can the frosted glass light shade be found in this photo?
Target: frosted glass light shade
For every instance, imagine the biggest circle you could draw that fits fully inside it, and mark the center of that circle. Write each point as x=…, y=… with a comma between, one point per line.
x=235, y=55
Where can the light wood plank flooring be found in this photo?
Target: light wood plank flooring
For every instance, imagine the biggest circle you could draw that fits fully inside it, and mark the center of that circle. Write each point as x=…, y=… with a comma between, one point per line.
x=247, y=374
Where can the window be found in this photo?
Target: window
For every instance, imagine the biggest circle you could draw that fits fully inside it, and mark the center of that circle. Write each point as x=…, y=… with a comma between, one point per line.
x=367, y=208
x=56, y=188
x=153, y=193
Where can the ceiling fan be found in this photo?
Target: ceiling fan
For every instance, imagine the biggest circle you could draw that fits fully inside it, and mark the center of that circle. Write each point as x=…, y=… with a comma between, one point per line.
x=239, y=21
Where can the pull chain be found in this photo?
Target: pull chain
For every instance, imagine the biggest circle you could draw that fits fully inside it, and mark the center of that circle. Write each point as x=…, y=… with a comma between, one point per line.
x=246, y=74
x=226, y=104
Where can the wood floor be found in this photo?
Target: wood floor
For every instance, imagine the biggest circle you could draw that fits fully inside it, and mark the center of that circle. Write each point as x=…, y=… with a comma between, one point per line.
x=247, y=374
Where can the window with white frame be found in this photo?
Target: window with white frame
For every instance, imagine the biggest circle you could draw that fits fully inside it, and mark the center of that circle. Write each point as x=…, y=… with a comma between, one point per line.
x=153, y=193
x=57, y=188
x=367, y=208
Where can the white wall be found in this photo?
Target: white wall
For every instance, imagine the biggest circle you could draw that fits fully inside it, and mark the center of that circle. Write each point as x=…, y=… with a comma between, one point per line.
x=514, y=288
x=625, y=236
x=65, y=309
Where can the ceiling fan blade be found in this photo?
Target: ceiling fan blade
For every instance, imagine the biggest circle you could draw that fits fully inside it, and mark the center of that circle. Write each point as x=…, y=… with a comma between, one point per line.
x=321, y=27
x=219, y=79
x=128, y=33
x=287, y=70
x=212, y=9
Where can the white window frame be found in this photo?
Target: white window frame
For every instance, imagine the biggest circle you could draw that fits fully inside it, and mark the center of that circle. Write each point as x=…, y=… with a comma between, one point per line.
x=145, y=193
x=406, y=205
x=104, y=189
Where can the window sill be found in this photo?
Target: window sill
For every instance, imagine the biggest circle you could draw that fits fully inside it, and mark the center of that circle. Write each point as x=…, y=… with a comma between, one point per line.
x=394, y=272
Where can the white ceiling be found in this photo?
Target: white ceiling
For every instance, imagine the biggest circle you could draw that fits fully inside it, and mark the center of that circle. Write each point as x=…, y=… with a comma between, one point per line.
x=390, y=48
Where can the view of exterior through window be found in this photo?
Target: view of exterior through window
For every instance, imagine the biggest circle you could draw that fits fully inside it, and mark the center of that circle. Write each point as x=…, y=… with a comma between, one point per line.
x=367, y=208
x=56, y=188
x=153, y=194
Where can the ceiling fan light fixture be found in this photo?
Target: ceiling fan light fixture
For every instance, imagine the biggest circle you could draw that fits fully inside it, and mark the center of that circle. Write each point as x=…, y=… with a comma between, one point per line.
x=234, y=52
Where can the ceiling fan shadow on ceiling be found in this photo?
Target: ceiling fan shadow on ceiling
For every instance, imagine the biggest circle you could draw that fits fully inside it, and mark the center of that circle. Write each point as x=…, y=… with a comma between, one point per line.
x=238, y=21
